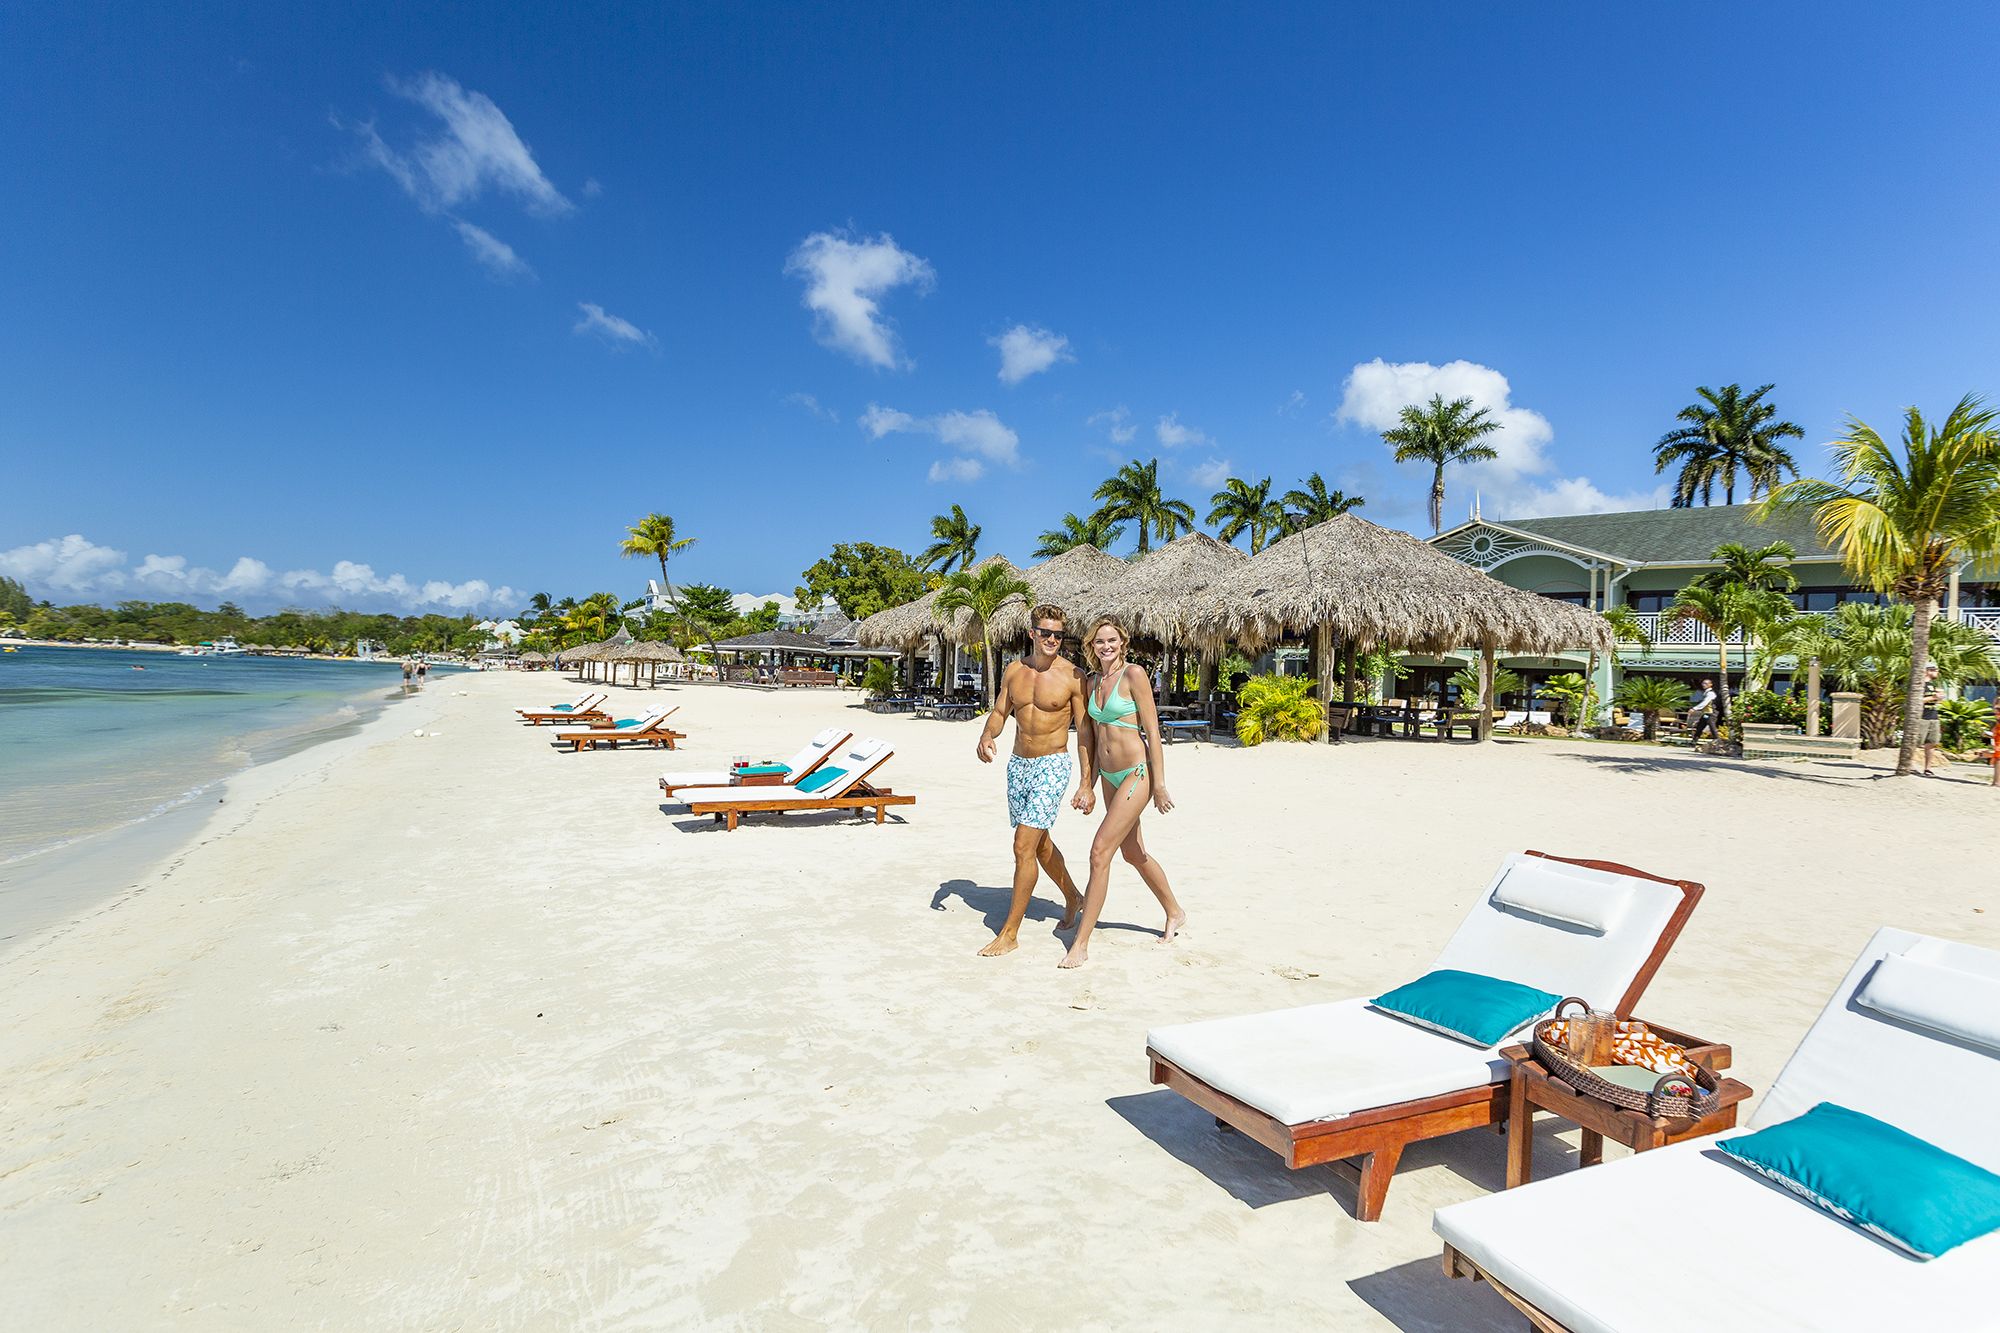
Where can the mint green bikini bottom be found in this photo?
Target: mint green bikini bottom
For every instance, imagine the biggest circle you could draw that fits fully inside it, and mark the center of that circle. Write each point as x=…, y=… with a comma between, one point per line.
x=1116, y=776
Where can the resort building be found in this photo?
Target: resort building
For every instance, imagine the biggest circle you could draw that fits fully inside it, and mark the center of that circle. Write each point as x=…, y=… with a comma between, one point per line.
x=1640, y=560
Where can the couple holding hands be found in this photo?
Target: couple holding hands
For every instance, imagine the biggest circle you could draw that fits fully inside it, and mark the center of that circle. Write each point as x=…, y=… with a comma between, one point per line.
x=1118, y=742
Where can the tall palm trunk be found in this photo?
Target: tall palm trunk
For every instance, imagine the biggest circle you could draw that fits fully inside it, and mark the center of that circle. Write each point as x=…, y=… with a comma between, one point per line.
x=1437, y=500
x=708, y=631
x=986, y=660
x=1913, y=704
x=1728, y=718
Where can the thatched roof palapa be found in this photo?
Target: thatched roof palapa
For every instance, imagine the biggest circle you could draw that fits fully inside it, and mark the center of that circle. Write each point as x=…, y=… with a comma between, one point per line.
x=1082, y=581
x=909, y=626
x=1377, y=587
x=1174, y=594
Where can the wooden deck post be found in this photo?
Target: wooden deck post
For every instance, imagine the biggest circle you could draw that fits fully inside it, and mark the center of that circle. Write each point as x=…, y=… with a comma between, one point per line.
x=1323, y=660
x=1484, y=730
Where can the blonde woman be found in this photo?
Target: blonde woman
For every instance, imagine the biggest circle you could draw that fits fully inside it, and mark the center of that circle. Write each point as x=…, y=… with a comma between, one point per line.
x=1122, y=742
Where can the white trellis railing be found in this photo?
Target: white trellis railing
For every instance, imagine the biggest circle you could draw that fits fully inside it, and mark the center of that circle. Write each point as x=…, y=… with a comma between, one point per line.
x=1667, y=632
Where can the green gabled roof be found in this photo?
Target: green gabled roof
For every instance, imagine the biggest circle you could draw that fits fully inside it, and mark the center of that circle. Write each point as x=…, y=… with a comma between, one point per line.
x=1674, y=536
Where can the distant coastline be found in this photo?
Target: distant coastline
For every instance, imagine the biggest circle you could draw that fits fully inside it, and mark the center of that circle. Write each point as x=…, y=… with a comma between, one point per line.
x=176, y=648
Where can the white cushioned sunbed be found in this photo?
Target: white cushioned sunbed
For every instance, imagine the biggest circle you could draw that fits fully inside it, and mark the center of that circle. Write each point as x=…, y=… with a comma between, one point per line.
x=1738, y=1254
x=801, y=763
x=1289, y=1077
x=856, y=761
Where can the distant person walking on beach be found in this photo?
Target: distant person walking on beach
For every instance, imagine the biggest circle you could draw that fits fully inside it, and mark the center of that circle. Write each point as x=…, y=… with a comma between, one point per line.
x=409, y=674
x=1702, y=712
x=423, y=671
x=1931, y=736
x=1121, y=727
x=1044, y=695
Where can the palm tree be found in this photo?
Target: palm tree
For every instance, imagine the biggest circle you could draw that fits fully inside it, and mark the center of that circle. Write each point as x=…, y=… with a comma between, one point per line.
x=538, y=606
x=1766, y=568
x=1724, y=432
x=1724, y=609
x=654, y=536
x=1650, y=696
x=983, y=592
x=1096, y=530
x=1871, y=653
x=1241, y=506
x=1810, y=640
x=957, y=542
x=1133, y=495
x=1315, y=504
x=1903, y=523
x=1441, y=434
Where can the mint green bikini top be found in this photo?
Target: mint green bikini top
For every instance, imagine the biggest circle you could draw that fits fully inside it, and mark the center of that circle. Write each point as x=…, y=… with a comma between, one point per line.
x=1116, y=711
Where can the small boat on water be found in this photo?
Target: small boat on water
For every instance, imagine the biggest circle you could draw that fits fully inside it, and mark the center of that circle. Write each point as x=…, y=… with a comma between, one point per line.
x=226, y=646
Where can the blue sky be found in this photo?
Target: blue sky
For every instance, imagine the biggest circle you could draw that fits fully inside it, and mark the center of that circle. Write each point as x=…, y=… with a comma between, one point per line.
x=301, y=304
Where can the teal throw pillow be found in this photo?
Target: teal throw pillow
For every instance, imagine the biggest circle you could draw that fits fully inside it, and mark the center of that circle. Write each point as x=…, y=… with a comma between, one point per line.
x=821, y=777
x=1479, y=1009
x=626, y=722
x=1894, y=1185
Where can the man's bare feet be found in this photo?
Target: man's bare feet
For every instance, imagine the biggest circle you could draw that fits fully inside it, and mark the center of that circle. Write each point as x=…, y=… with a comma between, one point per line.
x=1076, y=957
x=1174, y=924
x=1072, y=904
x=1001, y=944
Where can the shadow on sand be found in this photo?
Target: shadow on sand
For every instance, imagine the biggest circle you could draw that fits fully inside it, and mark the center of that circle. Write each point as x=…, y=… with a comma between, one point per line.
x=992, y=905
x=1822, y=773
x=688, y=823
x=1417, y=1297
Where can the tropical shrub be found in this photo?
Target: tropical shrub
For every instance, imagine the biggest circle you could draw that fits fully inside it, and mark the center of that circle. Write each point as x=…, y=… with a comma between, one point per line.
x=1278, y=708
x=1573, y=695
x=1770, y=706
x=1466, y=682
x=1871, y=653
x=1650, y=696
x=879, y=679
x=1967, y=724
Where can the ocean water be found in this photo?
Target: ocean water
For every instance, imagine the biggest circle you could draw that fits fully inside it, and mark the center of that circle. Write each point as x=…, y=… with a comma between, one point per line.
x=89, y=745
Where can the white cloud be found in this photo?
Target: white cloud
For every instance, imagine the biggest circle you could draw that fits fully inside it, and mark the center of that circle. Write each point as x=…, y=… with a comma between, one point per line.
x=976, y=435
x=1516, y=484
x=1212, y=473
x=813, y=406
x=498, y=256
x=1173, y=434
x=591, y=189
x=1117, y=425
x=1290, y=407
x=69, y=564
x=620, y=332
x=74, y=566
x=845, y=280
x=1025, y=351
x=957, y=469
x=879, y=421
x=472, y=148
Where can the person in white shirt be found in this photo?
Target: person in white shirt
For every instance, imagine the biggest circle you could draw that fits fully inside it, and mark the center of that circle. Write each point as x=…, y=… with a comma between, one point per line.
x=1702, y=712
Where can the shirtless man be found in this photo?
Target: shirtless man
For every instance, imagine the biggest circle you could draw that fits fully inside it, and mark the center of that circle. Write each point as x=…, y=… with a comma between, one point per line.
x=1044, y=696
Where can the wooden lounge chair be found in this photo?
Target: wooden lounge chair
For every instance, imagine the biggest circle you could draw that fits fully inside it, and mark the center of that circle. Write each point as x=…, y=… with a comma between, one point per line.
x=588, y=708
x=848, y=788
x=1573, y=1253
x=815, y=753
x=646, y=729
x=1332, y=1081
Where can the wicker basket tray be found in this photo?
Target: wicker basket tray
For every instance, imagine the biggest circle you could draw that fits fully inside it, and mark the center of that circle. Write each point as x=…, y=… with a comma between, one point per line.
x=1673, y=1097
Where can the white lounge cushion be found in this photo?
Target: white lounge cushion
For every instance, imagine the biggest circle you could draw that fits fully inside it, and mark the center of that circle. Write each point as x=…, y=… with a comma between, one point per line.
x=804, y=759
x=1762, y=1261
x=856, y=761
x=1942, y=999
x=1323, y=1061
x=1550, y=889
x=707, y=777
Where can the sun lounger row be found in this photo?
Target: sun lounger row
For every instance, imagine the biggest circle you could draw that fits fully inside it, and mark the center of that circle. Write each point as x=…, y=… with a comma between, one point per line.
x=649, y=728
x=1904, y=1061
x=583, y=708
x=827, y=775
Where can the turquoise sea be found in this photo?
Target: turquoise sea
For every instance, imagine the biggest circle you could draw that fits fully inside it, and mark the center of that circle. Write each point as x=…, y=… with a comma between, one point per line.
x=88, y=744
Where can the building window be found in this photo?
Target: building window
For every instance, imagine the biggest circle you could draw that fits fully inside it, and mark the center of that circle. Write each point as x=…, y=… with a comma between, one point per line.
x=1573, y=598
x=1649, y=601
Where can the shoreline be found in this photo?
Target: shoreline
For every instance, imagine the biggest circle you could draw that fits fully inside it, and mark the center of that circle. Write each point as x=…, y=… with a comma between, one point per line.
x=42, y=888
x=466, y=1031
x=261, y=652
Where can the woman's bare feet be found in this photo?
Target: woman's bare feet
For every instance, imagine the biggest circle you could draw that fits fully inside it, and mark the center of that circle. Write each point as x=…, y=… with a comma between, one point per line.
x=1076, y=957
x=1174, y=924
x=1001, y=944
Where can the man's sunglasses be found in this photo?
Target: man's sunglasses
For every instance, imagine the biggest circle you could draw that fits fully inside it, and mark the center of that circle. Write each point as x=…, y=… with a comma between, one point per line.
x=1047, y=633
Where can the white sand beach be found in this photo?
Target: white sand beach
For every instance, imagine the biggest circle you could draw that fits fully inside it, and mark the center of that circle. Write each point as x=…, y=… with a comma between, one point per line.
x=460, y=1032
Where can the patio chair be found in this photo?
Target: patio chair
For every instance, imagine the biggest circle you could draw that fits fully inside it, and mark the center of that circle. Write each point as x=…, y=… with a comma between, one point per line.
x=815, y=752
x=585, y=708
x=648, y=728
x=1573, y=1252
x=841, y=783
x=1333, y=1081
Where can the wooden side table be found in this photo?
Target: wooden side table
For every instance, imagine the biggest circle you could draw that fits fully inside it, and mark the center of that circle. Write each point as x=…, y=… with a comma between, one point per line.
x=741, y=779
x=1533, y=1088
